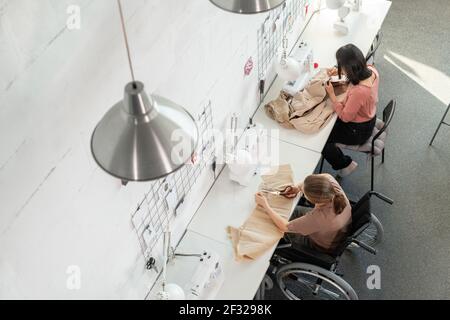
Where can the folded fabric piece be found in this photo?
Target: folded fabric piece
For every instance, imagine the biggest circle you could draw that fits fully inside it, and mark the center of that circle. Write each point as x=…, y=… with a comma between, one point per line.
x=309, y=110
x=280, y=109
x=259, y=233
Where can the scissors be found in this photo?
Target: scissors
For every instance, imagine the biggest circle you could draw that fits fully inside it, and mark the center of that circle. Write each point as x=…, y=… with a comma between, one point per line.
x=276, y=193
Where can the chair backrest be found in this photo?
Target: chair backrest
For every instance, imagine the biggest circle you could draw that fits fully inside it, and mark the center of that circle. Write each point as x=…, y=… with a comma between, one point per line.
x=388, y=115
x=361, y=216
x=374, y=47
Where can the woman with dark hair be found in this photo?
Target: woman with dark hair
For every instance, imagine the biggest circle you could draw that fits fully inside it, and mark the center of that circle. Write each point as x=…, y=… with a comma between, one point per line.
x=357, y=113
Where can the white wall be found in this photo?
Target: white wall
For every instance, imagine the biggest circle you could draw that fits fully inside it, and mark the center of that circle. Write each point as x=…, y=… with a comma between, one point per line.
x=57, y=208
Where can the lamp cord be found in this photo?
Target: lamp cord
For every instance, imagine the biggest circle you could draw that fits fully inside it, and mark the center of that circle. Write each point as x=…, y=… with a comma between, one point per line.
x=126, y=42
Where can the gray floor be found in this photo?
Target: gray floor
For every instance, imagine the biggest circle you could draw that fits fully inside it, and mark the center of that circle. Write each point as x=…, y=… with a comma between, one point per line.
x=415, y=255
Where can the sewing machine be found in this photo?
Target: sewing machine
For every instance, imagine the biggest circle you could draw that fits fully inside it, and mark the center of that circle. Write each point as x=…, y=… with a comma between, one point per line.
x=201, y=278
x=245, y=159
x=207, y=279
x=305, y=56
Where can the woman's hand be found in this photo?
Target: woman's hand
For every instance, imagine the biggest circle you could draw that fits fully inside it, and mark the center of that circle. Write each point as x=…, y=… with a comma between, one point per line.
x=290, y=192
x=332, y=72
x=261, y=200
x=278, y=220
x=330, y=90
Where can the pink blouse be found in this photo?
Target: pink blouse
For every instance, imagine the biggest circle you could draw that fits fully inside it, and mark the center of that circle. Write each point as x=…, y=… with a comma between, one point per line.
x=360, y=105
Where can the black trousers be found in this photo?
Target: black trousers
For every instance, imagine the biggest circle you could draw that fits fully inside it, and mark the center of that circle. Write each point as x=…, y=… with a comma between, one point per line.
x=352, y=134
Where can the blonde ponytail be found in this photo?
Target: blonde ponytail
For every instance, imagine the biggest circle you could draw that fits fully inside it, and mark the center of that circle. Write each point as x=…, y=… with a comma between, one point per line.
x=318, y=188
x=339, y=203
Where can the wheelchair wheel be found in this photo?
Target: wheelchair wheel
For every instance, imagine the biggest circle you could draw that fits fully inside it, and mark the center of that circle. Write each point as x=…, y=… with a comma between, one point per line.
x=373, y=234
x=302, y=281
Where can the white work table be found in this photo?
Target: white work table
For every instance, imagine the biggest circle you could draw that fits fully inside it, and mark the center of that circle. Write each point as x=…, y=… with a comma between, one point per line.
x=242, y=279
x=325, y=41
x=229, y=204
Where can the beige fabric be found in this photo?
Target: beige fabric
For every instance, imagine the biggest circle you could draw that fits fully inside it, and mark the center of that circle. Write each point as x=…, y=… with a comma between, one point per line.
x=280, y=109
x=309, y=110
x=314, y=120
x=313, y=94
x=259, y=233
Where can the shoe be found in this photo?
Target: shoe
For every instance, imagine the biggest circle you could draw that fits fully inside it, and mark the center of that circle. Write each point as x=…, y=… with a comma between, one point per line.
x=352, y=246
x=349, y=170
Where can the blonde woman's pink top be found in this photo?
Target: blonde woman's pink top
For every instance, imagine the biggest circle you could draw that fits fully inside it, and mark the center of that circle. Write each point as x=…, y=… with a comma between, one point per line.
x=322, y=225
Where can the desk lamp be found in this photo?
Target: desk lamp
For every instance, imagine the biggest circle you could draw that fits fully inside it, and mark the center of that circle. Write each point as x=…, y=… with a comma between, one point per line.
x=170, y=291
x=286, y=67
x=343, y=7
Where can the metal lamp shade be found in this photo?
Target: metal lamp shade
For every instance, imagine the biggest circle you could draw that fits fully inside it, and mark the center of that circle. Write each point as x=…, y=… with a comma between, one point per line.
x=247, y=6
x=142, y=138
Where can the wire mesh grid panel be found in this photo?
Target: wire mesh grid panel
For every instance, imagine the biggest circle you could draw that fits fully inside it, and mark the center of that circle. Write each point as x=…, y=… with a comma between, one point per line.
x=270, y=34
x=158, y=206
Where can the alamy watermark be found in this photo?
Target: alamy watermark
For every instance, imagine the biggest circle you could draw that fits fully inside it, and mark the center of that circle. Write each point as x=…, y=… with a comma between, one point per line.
x=374, y=279
x=73, y=281
x=262, y=146
x=73, y=21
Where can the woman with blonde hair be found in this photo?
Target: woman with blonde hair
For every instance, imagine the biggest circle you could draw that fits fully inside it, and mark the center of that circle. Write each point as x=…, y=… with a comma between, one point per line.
x=325, y=226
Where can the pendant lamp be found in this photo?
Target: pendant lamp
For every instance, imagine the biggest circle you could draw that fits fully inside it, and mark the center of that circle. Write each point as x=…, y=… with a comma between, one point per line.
x=143, y=137
x=247, y=6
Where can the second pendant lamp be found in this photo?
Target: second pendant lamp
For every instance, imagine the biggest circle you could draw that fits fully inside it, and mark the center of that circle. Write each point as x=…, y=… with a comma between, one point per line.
x=143, y=138
x=247, y=6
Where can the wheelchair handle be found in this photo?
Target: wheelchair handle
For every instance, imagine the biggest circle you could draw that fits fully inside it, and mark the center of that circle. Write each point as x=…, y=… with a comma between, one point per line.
x=365, y=246
x=284, y=246
x=382, y=197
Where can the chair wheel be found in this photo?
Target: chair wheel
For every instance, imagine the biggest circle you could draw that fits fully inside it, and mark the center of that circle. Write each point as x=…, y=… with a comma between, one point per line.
x=302, y=281
x=373, y=234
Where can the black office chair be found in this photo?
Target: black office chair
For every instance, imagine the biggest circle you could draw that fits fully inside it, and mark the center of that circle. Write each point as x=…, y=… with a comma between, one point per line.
x=373, y=48
x=303, y=273
x=375, y=146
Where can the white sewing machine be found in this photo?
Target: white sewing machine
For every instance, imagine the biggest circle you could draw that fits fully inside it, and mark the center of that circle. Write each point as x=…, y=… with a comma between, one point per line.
x=201, y=279
x=245, y=161
x=305, y=56
x=207, y=279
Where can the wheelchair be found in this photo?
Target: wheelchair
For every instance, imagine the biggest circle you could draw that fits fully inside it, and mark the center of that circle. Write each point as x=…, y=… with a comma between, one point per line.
x=307, y=274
